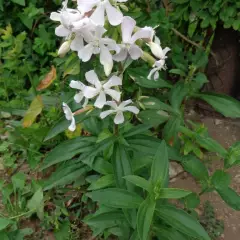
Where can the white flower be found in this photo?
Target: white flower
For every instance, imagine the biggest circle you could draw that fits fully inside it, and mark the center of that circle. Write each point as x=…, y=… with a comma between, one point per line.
x=157, y=50
x=80, y=95
x=66, y=17
x=128, y=40
x=160, y=53
x=102, y=6
x=119, y=110
x=65, y=47
x=101, y=89
x=99, y=45
x=158, y=66
x=69, y=116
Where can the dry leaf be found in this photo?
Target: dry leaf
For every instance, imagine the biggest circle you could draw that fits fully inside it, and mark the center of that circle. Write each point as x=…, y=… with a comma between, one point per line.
x=34, y=110
x=47, y=81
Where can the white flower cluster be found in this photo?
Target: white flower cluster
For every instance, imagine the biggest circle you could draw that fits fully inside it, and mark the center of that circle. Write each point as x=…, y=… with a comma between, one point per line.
x=83, y=31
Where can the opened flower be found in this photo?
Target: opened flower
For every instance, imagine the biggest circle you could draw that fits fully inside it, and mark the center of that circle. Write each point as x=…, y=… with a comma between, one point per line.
x=128, y=45
x=66, y=17
x=80, y=95
x=69, y=116
x=101, y=89
x=102, y=7
x=119, y=110
x=99, y=45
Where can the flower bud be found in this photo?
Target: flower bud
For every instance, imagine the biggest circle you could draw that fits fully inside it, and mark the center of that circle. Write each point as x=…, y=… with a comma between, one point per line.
x=156, y=50
x=64, y=49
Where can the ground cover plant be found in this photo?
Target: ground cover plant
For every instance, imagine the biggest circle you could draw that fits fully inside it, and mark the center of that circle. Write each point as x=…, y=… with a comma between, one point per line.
x=99, y=120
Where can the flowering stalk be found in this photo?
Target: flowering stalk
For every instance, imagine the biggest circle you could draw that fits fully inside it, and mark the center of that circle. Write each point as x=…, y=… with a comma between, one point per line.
x=83, y=31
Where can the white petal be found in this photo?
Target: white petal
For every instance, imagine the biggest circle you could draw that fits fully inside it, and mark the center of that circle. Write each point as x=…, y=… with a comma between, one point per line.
x=156, y=50
x=61, y=31
x=106, y=60
x=135, y=52
x=77, y=43
x=166, y=50
x=86, y=5
x=127, y=27
x=112, y=82
x=156, y=76
x=125, y=103
x=67, y=111
x=77, y=85
x=111, y=44
x=119, y=118
x=106, y=113
x=92, y=78
x=55, y=16
x=101, y=100
x=132, y=109
x=112, y=104
x=78, y=97
x=90, y=92
x=113, y=93
x=121, y=56
x=157, y=40
x=151, y=73
x=144, y=33
x=72, y=127
x=98, y=15
x=99, y=31
x=115, y=17
x=86, y=53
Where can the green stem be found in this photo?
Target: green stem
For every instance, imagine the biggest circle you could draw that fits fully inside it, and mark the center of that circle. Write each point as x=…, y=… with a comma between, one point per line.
x=23, y=214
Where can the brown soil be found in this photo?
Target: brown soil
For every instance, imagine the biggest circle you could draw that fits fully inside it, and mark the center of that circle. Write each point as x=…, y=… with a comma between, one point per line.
x=225, y=132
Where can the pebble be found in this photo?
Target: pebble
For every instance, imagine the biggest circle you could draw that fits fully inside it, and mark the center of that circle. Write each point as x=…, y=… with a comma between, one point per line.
x=218, y=121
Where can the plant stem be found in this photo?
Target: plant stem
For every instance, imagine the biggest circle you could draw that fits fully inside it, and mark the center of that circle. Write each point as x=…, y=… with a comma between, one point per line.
x=23, y=214
x=116, y=129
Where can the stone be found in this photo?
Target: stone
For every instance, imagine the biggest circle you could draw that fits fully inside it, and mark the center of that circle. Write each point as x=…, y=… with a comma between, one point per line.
x=175, y=169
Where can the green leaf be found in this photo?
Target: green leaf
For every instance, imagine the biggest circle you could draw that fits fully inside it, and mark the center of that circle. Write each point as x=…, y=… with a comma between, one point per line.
x=102, y=182
x=199, y=80
x=36, y=203
x=20, y=2
x=139, y=75
x=177, y=95
x=219, y=103
x=160, y=166
x=195, y=167
x=122, y=166
x=72, y=65
x=192, y=28
x=154, y=103
x=221, y=179
x=210, y=144
x=139, y=129
x=182, y=222
x=145, y=218
x=172, y=193
x=68, y=149
x=63, y=124
x=65, y=175
x=63, y=232
x=165, y=233
x=192, y=201
x=171, y=129
x=138, y=181
x=153, y=117
x=178, y=72
x=18, y=181
x=116, y=198
x=230, y=197
x=4, y=222
x=105, y=220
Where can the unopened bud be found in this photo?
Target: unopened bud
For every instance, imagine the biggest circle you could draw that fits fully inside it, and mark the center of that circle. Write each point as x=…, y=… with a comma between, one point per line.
x=64, y=49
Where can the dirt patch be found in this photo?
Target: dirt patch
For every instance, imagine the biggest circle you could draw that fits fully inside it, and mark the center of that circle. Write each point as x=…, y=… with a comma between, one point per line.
x=225, y=132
